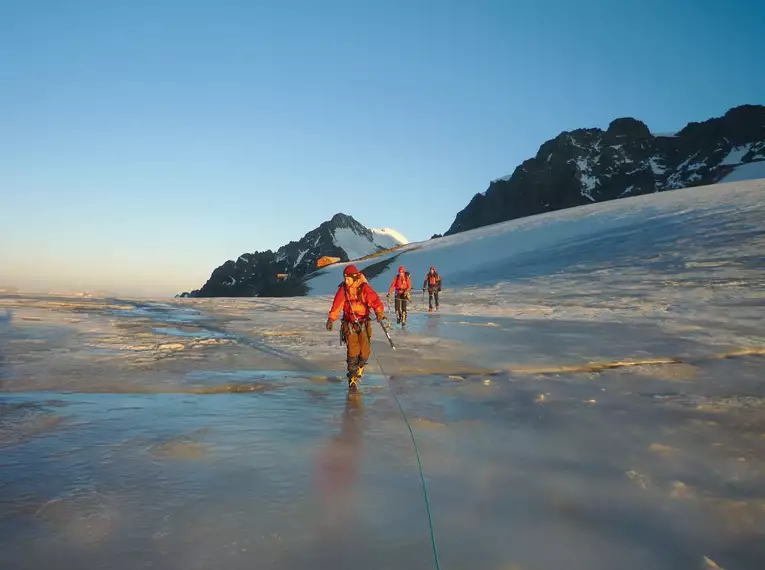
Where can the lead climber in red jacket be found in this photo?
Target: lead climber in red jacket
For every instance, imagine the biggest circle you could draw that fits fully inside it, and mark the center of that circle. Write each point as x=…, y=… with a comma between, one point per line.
x=358, y=302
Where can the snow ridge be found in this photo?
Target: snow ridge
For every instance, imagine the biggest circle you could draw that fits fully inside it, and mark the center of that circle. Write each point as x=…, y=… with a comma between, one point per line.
x=506, y=251
x=353, y=244
x=388, y=237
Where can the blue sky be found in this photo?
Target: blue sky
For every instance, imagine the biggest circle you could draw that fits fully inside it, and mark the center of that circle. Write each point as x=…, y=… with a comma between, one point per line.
x=144, y=143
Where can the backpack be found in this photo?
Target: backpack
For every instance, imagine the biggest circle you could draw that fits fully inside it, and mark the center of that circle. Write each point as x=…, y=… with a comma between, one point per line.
x=433, y=281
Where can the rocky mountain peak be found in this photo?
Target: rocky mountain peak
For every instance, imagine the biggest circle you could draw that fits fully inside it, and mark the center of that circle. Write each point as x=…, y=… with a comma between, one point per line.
x=344, y=221
x=341, y=220
x=591, y=165
x=627, y=127
x=281, y=273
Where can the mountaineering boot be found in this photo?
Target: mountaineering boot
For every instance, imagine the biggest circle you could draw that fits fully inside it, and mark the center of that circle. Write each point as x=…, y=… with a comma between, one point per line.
x=353, y=380
x=430, y=309
x=353, y=371
x=355, y=377
x=403, y=319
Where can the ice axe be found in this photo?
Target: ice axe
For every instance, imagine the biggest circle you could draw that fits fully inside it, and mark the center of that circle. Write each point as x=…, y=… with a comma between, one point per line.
x=387, y=335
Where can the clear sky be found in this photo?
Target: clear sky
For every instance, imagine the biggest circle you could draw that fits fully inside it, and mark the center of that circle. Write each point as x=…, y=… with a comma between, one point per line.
x=145, y=142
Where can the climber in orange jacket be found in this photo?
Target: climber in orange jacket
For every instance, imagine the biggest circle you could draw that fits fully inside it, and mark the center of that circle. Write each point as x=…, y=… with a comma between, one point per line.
x=358, y=301
x=402, y=284
x=433, y=283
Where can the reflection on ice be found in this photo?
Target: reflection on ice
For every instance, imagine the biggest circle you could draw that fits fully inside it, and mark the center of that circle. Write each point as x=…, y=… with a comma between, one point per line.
x=304, y=475
x=622, y=468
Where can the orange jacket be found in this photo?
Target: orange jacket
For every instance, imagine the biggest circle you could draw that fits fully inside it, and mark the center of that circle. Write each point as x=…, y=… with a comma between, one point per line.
x=432, y=280
x=363, y=301
x=401, y=283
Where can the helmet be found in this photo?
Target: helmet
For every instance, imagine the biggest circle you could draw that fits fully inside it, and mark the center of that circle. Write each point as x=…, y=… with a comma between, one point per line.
x=401, y=269
x=432, y=268
x=351, y=270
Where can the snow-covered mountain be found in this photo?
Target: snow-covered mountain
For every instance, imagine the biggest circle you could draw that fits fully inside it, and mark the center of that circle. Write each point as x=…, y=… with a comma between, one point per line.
x=387, y=238
x=591, y=165
x=575, y=239
x=255, y=274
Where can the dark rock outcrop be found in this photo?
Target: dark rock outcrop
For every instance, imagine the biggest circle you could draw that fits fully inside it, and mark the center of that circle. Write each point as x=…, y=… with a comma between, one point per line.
x=591, y=165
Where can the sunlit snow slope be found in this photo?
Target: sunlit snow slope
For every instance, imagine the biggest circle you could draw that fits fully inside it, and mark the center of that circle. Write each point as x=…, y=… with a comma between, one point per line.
x=387, y=238
x=554, y=241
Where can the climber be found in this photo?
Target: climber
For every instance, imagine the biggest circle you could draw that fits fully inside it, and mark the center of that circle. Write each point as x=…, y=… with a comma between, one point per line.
x=402, y=284
x=433, y=284
x=358, y=302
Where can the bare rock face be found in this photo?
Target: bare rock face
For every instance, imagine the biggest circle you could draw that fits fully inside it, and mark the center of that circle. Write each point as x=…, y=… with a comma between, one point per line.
x=257, y=274
x=591, y=165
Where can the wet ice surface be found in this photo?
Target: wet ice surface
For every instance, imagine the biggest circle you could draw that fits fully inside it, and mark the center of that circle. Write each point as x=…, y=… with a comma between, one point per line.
x=597, y=414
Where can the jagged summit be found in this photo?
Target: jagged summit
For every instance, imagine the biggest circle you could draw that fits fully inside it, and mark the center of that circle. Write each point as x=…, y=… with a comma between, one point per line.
x=280, y=273
x=592, y=165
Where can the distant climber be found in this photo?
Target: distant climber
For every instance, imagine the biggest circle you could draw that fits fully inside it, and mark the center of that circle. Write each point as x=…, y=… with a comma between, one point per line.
x=402, y=284
x=433, y=284
x=358, y=302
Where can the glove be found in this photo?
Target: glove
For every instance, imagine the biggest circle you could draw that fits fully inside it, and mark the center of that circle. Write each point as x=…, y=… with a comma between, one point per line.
x=423, y=289
x=329, y=324
x=388, y=295
x=408, y=296
x=383, y=320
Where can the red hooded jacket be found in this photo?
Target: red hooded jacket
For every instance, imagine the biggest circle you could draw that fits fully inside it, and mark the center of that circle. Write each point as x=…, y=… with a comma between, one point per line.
x=402, y=283
x=363, y=301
